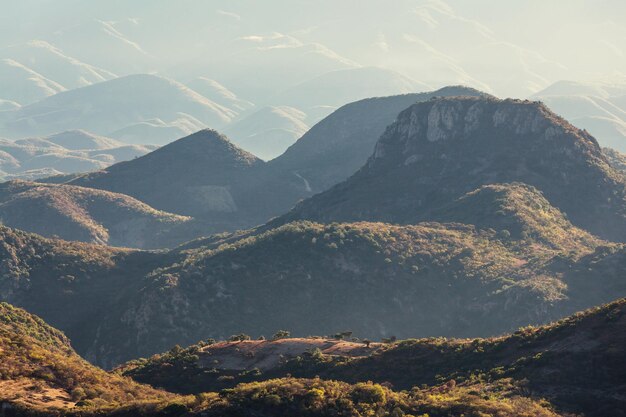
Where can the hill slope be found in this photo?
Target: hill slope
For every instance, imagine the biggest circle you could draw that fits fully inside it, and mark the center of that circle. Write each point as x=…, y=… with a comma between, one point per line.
x=42, y=376
x=203, y=175
x=527, y=264
x=441, y=149
x=39, y=371
x=339, y=145
x=83, y=214
x=377, y=280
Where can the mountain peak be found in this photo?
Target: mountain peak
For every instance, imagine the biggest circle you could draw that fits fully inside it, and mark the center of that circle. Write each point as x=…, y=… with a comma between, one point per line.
x=443, y=148
x=211, y=144
x=198, y=174
x=441, y=121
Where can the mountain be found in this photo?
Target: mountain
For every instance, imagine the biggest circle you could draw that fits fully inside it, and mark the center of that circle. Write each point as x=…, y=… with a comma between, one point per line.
x=327, y=154
x=63, y=153
x=157, y=131
x=22, y=85
x=616, y=159
x=47, y=59
x=203, y=175
x=251, y=63
x=219, y=94
x=85, y=215
x=80, y=139
x=594, y=106
x=109, y=106
x=577, y=364
x=574, y=88
x=268, y=132
x=337, y=88
x=340, y=144
x=86, y=39
x=41, y=373
x=439, y=150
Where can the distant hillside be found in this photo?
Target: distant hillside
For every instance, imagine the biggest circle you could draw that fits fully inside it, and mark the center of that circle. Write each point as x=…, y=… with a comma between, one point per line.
x=109, y=106
x=339, y=145
x=578, y=364
x=62, y=153
x=36, y=69
x=616, y=159
x=268, y=132
x=337, y=88
x=597, y=107
x=218, y=93
x=86, y=215
x=439, y=150
x=79, y=139
x=40, y=372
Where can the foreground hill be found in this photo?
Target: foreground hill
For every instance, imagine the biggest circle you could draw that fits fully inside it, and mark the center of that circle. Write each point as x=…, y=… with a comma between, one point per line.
x=85, y=215
x=439, y=150
x=40, y=372
x=337, y=277
x=578, y=364
x=42, y=376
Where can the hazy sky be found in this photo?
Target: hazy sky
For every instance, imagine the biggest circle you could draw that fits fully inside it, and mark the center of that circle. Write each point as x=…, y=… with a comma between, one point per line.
x=510, y=48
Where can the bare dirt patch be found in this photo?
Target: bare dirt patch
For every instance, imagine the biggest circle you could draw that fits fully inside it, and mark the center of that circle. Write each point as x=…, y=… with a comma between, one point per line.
x=264, y=354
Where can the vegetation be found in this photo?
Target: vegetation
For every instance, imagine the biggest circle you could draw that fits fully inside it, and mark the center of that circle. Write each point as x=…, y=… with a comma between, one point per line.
x=485, y=141
x=326, y=278
x=39, y=369
x=578, y=364
x=41, y=375
x=86, y=215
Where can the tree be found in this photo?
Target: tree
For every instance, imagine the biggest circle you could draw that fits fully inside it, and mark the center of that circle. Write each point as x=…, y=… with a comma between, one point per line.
x=239, y=337
x=281, y=334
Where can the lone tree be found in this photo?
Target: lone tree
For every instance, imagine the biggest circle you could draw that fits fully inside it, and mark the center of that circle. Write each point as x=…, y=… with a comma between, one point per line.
x=367, y=343
x=239, y=337
x=281, y=334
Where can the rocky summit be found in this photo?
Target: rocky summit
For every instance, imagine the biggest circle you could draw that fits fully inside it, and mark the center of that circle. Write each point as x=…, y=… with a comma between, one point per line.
x=439, y=150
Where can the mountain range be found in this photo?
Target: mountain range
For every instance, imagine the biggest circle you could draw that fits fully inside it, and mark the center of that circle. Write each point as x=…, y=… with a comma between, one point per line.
x=206, y=176
x=463, y=222
x=417, y=165
x=63, y=153
x=139, y=108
